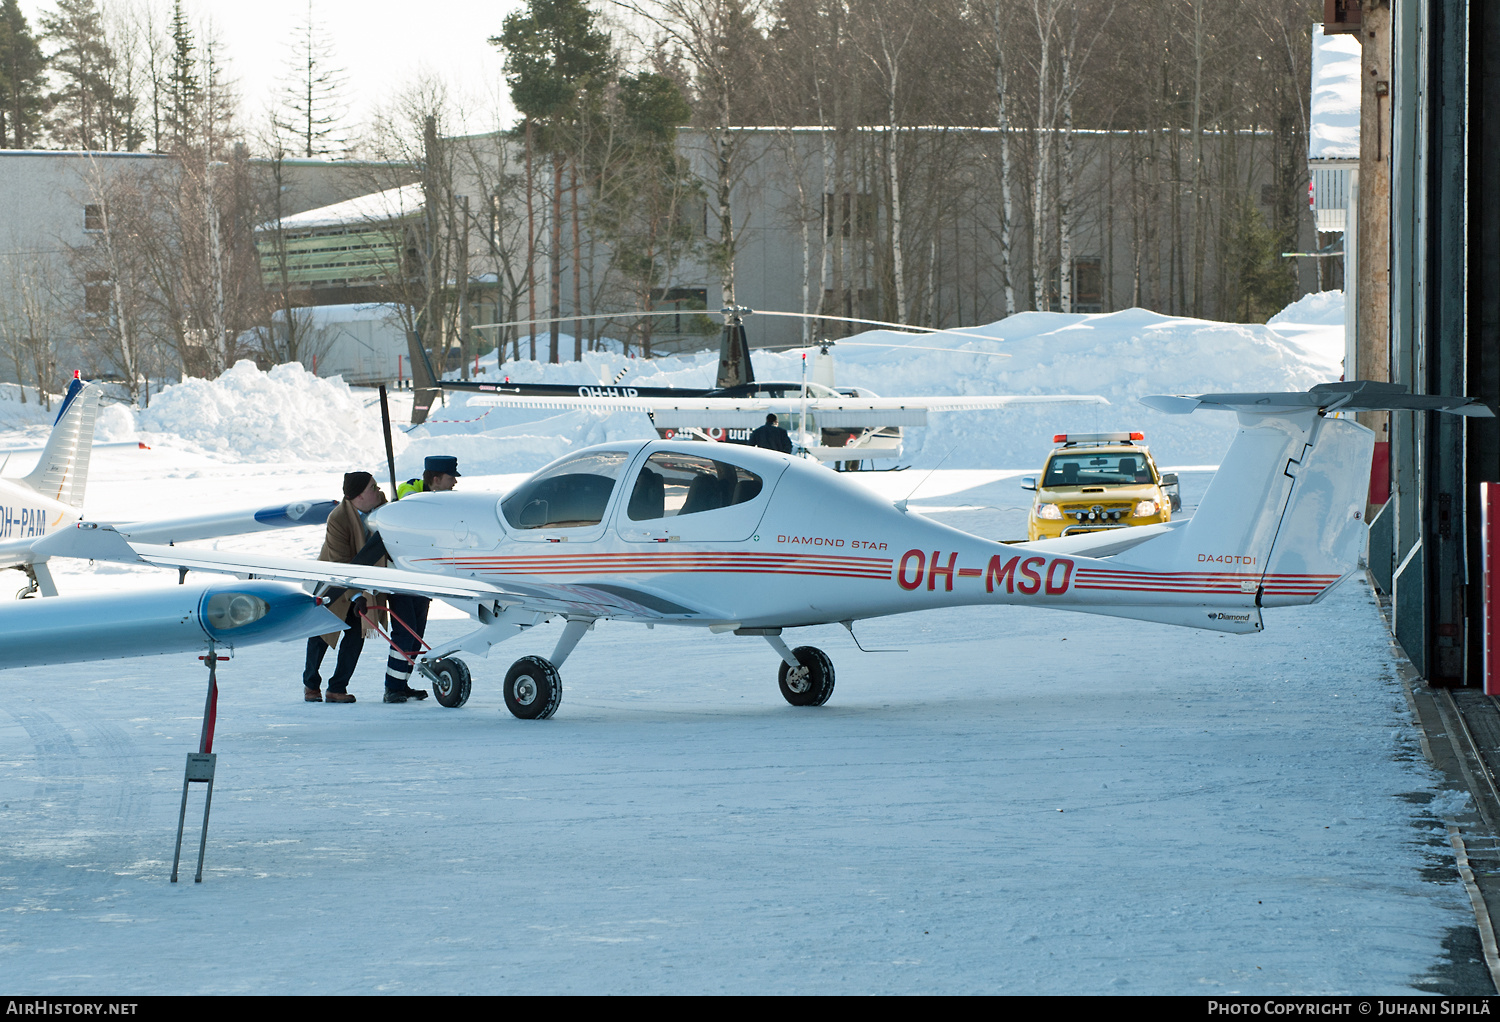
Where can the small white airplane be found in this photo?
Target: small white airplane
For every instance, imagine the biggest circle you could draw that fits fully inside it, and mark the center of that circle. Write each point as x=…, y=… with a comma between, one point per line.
x=50, y=497
x=739, y=540
x=68, y=629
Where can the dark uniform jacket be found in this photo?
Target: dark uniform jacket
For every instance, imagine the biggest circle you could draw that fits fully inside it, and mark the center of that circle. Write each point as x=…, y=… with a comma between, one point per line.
x=772, y=438
x=345, y=538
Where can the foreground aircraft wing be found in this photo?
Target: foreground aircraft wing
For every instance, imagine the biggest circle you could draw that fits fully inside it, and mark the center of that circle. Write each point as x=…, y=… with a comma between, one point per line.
x=734, y=412
x=1353, y=396
x=596, y=600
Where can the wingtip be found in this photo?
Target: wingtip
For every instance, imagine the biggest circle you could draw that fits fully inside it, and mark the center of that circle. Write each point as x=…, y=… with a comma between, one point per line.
x=1172, y=404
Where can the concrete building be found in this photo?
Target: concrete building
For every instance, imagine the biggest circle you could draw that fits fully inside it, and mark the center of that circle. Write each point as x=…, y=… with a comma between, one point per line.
x=50, y=207
x=802, y=245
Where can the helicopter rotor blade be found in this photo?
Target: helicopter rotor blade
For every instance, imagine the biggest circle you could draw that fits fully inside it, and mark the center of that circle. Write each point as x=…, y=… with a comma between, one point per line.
x=921, y=331
x=917, y=331
x=877, y=344
x=580, y=319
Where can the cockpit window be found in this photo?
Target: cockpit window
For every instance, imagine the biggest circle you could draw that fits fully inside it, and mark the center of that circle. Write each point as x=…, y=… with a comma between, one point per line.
x=672, y=484
x=569, y=495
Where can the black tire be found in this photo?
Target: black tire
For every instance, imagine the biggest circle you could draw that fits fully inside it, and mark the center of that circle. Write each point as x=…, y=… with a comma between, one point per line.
x=450, y=682
x=533, y=688
x=812, y=689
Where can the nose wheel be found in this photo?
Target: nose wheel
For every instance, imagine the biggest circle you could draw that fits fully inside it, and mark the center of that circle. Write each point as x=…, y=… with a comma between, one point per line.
x=533, y=688
x=450, y=681
x=810, y=683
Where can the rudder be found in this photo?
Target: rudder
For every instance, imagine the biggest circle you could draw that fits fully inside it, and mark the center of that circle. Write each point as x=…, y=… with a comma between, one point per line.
x=61, y=472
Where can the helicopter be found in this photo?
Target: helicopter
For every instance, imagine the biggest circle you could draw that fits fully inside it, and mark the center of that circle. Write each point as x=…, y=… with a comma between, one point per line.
x=843, y=426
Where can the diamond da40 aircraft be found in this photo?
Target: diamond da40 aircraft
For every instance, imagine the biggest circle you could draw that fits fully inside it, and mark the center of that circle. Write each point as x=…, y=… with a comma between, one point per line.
x=181, y=618
x=738, y=540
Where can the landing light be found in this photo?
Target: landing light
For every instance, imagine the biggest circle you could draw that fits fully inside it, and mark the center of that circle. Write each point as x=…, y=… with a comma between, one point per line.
x=234, y=610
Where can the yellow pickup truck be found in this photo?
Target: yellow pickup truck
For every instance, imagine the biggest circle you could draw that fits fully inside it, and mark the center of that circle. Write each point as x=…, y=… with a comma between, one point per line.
x=1096, y=481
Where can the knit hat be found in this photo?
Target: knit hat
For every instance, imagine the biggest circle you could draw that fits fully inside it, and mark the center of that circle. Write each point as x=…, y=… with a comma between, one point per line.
x=356, y=483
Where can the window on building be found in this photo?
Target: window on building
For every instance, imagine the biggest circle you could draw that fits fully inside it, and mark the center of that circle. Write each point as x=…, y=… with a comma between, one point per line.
x=96, y=288
x=851, y=303
x=93, y=218
x=685, y=300
x=1088, y=286
x=853, y=213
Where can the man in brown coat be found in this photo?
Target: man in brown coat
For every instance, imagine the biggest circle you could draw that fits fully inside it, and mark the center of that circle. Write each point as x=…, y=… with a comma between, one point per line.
x=345, y=538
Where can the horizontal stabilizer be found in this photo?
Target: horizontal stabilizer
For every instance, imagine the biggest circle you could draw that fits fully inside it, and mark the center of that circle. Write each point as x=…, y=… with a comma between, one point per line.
x=1235, y=620
x=1104, y=543
x=1354, y=396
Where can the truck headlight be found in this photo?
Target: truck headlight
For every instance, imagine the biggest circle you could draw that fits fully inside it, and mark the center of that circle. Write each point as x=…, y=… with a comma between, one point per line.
x=1144, y=508
x=1048, y=511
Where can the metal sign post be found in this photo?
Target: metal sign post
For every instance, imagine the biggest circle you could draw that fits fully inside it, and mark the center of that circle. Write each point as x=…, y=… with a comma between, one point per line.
x=200, y=766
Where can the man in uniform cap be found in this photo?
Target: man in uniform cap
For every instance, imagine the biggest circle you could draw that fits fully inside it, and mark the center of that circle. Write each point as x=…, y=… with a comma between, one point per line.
x=409, y=613
x=439, y=474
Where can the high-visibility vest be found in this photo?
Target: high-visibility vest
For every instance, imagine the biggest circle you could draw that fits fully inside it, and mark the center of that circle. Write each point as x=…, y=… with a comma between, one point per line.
x=409, y=487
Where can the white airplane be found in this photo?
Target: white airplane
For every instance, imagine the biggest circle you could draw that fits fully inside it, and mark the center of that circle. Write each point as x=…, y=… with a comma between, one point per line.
x=738, y=540
x=824, y=423
x=50, y=497
x=182, y=618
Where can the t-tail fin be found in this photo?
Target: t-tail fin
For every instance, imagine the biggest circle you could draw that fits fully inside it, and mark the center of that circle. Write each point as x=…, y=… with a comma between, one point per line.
x=1282, y=521
x=62, y=471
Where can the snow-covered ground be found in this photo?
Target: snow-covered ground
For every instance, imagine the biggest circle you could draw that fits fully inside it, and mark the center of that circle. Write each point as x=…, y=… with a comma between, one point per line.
x=1009, y=800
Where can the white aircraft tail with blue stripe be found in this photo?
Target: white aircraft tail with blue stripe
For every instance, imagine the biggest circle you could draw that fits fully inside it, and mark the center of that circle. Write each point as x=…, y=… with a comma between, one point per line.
x=62, y=472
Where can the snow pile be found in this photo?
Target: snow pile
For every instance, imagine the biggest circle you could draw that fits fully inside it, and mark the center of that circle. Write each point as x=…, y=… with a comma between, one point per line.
x=1121, y=356
x=115, y=422
x=1333, y=129
x=21, y=407
x=282, y=415
x=1321, y=308
x=288, y=414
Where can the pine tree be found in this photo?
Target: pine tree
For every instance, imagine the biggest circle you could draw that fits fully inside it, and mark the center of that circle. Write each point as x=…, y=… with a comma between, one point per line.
x=21, y=68
x=553, y=55
x=312, y=108
x=83, y=107
x=183, y=87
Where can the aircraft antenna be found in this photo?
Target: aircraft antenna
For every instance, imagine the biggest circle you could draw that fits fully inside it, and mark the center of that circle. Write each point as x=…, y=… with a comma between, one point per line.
x=901, y=504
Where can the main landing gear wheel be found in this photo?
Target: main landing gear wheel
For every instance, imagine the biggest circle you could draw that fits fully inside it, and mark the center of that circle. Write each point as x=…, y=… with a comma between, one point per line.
x=450, y=682
x=812, y=683
x=533, y=688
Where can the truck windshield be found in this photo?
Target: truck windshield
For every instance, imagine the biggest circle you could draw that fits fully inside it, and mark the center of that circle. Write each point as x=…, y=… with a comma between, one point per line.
x=1098, y=468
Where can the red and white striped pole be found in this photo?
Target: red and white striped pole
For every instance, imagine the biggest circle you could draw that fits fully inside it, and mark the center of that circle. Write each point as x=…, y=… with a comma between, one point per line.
x=1489, y=533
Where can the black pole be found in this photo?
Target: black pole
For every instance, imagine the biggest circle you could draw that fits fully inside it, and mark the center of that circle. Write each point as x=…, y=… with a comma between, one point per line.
x=390, y=454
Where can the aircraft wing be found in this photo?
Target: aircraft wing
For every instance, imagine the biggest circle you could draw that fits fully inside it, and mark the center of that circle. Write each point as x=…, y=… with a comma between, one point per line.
x=16, y=551
x=593, y=600
x=1350, y=396
x=228, y=523
x=683, y=413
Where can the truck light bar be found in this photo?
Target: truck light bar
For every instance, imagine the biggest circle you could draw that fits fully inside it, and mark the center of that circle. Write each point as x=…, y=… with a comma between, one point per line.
x=1097, y=438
